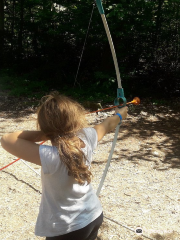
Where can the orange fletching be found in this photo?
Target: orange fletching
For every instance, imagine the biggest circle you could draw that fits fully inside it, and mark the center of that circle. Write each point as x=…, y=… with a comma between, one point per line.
x=136, y=101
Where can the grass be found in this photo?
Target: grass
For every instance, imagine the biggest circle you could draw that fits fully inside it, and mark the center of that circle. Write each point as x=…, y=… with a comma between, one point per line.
x=22, y=86
x=26, y=86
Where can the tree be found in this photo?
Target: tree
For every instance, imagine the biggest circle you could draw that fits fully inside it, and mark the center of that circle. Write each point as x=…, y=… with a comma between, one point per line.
x=50, y=34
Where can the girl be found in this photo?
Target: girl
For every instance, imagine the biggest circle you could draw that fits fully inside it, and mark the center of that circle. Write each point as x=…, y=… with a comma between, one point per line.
x=69, y=209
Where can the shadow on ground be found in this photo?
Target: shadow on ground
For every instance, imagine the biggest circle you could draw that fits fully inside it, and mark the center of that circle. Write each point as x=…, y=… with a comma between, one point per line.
x=156, y=127
x=155, y=132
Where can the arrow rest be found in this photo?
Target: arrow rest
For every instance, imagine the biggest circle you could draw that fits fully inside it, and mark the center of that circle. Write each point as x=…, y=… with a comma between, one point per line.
x=120, y=98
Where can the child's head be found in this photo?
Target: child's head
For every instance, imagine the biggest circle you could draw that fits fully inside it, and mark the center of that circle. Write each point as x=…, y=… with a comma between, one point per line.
x=60, y=118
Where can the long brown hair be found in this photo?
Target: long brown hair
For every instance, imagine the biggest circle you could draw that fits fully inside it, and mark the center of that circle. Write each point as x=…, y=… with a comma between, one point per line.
x=60, y=118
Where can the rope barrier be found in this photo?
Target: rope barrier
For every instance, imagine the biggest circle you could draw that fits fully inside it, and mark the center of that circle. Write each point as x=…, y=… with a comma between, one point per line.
x=29, y=167
x=122, y=225
x=9, y=164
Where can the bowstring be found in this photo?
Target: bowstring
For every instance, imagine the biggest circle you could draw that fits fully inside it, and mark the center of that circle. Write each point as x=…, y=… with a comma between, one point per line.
x=84, y=44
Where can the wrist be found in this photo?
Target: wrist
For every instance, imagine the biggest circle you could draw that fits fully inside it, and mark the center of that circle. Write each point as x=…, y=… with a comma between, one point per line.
x=120, y=116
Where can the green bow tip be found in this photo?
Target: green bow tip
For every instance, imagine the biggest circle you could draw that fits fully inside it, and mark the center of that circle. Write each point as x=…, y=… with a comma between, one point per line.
x=100, y=6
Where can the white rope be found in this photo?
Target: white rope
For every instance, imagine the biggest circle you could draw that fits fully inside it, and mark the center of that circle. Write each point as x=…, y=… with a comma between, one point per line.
x=30, y=167
x=127, y=227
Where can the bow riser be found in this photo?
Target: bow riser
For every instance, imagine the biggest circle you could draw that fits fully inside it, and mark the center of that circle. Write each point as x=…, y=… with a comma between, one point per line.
x=120, y=95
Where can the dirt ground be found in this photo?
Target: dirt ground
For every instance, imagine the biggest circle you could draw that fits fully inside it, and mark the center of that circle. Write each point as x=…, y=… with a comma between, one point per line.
x=141, y=188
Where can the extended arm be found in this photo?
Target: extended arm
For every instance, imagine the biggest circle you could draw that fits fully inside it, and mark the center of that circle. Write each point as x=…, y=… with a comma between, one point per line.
x=110, y=123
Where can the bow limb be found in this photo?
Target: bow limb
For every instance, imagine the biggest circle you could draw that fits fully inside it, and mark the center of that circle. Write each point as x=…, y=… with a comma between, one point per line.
x=112, y=50
x=120, y=91
x=101, y=11
x=109, y=160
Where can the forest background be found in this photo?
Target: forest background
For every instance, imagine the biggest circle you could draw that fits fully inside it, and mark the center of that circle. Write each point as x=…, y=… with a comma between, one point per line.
x=41, y=43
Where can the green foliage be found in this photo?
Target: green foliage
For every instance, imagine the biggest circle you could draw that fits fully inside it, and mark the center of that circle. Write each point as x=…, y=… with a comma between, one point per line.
x=24, y=87
x=105, y=82
x=20, y=86
x=88, y=93
x=160, y=102
x=43, y=42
